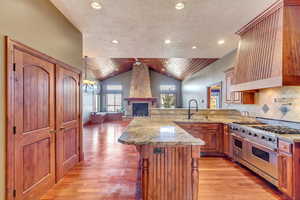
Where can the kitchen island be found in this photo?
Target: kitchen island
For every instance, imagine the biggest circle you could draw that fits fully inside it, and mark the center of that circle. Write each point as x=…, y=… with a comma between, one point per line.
x=168, y=159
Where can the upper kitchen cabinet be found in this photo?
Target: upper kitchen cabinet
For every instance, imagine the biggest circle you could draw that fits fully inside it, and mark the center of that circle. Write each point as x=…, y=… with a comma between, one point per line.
x=236, y=97
x=269, y=49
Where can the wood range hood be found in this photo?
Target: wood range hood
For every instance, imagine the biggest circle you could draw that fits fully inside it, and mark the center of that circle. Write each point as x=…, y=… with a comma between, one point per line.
x=140, y=86
x=269, y=49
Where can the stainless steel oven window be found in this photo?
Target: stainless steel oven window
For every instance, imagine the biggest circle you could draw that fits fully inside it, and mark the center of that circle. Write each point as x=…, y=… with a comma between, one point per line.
x=261, y=154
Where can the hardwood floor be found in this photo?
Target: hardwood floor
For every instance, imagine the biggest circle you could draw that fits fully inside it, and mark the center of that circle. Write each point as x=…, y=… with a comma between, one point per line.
x=221, y=179
x=109, y=172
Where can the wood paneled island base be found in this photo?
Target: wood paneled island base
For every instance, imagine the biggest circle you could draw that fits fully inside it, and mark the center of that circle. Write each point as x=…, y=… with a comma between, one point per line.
x=168, y=159
x=169, y=172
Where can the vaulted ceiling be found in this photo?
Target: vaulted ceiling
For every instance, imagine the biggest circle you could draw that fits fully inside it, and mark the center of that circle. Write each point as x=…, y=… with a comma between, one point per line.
x=179, y=68
x=141, y=28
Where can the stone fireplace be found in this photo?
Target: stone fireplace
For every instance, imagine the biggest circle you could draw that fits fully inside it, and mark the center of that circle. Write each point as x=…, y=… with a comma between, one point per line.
x=140, y=99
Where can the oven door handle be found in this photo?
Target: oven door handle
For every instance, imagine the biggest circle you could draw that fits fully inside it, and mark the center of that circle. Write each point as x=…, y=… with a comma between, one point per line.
x=261, y=146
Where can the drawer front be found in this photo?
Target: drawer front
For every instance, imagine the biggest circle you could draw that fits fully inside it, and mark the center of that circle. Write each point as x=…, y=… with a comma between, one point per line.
x=209, y=126
x=285, y=146
x=197, y=128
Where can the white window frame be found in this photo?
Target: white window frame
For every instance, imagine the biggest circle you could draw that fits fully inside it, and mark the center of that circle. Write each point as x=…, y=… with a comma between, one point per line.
x=114, y=89
x=168, y=89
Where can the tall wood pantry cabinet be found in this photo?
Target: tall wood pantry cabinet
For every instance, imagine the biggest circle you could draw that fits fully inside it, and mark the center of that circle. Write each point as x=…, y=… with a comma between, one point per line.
x=44, y=121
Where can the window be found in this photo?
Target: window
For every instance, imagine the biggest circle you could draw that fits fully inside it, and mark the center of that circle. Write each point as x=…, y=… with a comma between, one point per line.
x=114, y=102
x=113, y=98
x=168, y=96
x=168, y=88
x=114, y=87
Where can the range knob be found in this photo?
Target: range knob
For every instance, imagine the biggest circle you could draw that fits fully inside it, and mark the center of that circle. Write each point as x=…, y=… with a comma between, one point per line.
x=255, y=135
x=249, y=133
x=263, y=137
x=243, y=131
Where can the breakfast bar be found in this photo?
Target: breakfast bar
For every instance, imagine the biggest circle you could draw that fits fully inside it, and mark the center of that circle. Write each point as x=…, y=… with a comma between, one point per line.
x=168, y=159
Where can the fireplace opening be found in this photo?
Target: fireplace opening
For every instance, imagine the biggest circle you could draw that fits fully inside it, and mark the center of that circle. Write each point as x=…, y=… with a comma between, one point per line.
x=140, y=109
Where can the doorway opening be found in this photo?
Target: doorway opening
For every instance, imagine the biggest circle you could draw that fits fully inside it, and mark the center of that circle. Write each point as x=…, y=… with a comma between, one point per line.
x=214, y=96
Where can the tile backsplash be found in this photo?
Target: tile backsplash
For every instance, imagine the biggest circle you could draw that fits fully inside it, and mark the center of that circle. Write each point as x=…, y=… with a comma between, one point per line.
x=277, y=103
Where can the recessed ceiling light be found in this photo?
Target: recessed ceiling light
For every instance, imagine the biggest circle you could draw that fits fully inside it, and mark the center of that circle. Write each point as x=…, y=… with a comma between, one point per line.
x=179, y=6
x=221, y=42
x=115, y=42
x=167, y=41
x=194, y=47
x=163, y=69
x=96, y=5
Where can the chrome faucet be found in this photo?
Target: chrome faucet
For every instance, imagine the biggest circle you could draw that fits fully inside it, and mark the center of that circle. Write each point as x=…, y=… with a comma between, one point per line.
x=189, y=113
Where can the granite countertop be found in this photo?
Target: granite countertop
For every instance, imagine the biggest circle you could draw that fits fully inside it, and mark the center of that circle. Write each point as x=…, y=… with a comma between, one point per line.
x=165, y=131
x=212, y=120
x=289, y=137
x=146, y=131
x=162, y=131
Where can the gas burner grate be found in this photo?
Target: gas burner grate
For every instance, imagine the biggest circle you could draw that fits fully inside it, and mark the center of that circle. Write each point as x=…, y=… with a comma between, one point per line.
x=278, y=129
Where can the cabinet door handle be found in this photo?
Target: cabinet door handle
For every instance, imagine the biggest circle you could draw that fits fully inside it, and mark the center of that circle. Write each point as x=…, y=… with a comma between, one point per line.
x=52, y=131
x=62, y=128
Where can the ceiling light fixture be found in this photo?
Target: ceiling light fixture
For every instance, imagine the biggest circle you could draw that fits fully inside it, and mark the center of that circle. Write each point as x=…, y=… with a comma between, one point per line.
x=220, y=42
x=167, y=41
x=115, y=42
x=88, y=84
x=96, y=5
x=194, y=47
x=163, y=69
x=179, y=6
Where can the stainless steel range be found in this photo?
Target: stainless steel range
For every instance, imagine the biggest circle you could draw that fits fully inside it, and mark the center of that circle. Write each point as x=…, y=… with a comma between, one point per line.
x=255, y=146
x=256, y=149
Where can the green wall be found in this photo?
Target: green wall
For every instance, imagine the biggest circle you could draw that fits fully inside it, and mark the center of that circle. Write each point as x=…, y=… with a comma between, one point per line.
x=38, y=24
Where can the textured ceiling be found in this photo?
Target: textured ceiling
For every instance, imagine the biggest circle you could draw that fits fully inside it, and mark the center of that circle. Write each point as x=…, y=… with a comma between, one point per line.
x=142, y=26
x=179, y=68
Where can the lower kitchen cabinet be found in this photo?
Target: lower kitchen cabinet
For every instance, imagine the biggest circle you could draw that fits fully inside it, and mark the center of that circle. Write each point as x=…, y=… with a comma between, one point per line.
x=285, y=170
x=210, y=133
x=212, y=142
x=227, y=141
x=285, y=167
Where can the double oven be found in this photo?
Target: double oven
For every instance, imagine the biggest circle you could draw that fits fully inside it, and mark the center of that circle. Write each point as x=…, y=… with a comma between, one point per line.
x=253, y=151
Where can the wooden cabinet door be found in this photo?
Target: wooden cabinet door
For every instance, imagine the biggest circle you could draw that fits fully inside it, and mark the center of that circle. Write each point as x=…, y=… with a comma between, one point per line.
x=226, y=140
x=34, y=123
x=228, y=79
x=211, y=142
x=231, y=97
x=212, y=138
x=236, y=97
x=68, y=123
x=285, y=166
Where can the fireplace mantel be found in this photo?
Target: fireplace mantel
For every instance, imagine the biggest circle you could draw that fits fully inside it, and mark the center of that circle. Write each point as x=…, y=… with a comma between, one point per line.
x=132, y=99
